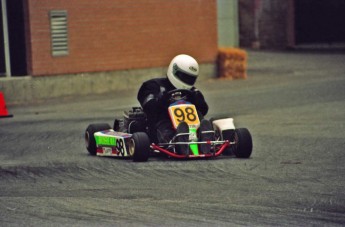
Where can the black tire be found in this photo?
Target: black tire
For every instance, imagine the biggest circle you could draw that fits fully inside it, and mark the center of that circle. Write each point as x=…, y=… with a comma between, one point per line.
x=139, y=147
x=116, y=126
x=244, y=143
x=89, y=136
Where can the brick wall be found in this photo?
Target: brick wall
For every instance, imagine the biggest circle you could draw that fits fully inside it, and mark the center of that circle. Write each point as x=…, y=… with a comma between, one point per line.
x=107, y=35
x=272, y=23
x=246, y=20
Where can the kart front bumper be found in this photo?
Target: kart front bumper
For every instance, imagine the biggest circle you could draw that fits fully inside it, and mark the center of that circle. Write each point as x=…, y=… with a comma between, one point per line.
x=215, y=153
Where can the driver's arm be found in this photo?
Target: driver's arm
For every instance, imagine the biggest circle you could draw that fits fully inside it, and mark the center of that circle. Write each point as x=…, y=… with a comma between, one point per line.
x=147, y=96
x=199, y=101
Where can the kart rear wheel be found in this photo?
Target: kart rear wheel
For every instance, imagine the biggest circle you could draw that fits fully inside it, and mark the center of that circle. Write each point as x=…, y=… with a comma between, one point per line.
x=90, y=141
x=244, y=143
x=229, y=135
x=139, y=147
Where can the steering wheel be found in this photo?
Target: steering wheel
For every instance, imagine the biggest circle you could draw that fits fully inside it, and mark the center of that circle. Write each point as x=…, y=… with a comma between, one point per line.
x=180, y=94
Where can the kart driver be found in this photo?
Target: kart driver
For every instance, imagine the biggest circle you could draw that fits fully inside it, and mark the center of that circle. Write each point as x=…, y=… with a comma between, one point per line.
x=181, y=74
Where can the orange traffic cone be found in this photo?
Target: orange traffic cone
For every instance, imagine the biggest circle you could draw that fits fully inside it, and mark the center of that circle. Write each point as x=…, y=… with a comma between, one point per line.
x=3, y=109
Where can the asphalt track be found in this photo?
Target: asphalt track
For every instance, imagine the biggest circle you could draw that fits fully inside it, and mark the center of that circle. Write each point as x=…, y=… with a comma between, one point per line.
x=292, y=103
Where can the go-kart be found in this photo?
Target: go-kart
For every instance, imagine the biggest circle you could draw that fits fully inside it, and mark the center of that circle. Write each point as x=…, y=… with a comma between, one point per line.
x=129, y=136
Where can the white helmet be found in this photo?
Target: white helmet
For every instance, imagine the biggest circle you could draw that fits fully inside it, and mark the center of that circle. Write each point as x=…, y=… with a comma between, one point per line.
x=183, y=71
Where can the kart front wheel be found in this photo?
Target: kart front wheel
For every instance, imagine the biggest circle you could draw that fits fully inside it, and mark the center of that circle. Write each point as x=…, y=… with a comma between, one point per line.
x=90, y=141
x=244, y=143
x=139, y=147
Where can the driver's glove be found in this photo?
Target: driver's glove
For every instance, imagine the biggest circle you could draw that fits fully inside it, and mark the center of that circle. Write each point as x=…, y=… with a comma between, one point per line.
x=196, y=95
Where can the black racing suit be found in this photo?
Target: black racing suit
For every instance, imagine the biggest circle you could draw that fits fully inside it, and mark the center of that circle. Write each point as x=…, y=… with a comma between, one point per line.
x=150, y=96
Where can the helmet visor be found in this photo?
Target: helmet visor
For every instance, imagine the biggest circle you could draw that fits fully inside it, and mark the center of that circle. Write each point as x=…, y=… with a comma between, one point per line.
x=185, y=77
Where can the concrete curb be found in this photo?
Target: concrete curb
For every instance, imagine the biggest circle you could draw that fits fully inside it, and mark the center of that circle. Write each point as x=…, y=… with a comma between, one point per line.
x=28, y=89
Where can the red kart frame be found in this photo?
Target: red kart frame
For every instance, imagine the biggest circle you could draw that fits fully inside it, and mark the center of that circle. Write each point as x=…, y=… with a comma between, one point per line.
x=181, y=156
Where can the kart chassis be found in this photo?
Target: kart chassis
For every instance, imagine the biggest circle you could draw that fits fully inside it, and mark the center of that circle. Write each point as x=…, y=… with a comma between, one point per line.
x=125, y=141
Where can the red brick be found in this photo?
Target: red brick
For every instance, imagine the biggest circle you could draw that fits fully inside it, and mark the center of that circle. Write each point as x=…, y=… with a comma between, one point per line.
x=120, y=34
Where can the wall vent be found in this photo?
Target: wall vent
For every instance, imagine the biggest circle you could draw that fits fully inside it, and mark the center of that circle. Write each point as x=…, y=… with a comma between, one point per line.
x=59, y=32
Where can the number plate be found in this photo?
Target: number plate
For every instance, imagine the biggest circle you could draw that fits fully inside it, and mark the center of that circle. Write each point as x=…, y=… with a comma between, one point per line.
x=186, y=113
